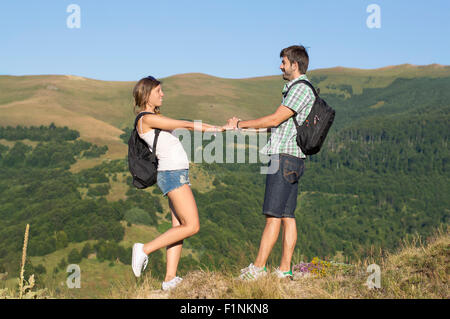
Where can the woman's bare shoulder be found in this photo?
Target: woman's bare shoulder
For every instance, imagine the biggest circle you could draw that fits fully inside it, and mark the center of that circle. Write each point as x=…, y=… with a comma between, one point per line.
x=147, y=122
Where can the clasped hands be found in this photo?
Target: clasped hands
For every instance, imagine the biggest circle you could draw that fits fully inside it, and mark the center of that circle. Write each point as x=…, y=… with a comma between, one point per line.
x=231, y=125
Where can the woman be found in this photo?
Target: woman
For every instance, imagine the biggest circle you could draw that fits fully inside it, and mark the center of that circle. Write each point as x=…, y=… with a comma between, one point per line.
x=172, y=178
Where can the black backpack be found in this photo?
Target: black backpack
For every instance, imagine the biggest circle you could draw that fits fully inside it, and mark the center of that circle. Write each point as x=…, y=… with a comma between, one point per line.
x=313, y=131
x=142, y=163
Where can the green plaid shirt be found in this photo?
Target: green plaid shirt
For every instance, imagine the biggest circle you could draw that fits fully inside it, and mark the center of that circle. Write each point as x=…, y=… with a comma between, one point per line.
x=300, y=99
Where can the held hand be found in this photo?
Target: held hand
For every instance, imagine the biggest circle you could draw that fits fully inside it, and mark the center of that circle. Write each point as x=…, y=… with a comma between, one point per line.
x=232, y=122
x=229, y=126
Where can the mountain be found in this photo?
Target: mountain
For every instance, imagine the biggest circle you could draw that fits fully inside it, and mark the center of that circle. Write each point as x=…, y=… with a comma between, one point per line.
x=382, y=174
x=99, y=110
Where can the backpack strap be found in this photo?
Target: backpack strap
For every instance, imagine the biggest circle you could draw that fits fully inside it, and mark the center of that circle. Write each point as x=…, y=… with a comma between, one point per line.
x=155, y=140
x=157, y=131
x=138, y=117
x=286, y=93
x=304, y=82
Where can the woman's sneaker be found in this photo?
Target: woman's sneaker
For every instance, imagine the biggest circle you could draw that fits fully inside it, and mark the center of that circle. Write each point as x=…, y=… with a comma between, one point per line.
x=252, y=272
x=284, y=274
x=139, y=259
x=167, y=285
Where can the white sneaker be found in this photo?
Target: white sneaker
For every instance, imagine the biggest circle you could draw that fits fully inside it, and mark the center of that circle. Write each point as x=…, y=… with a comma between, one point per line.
x=167, y=285
x=139, y=259
x=252, y=272
x=284, y=274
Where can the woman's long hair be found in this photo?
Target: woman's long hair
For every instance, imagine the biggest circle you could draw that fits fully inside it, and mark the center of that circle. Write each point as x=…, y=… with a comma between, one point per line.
x=141, y=93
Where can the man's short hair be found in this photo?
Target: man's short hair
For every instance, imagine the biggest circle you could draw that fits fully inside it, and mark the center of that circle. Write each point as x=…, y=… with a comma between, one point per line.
x=297, y=53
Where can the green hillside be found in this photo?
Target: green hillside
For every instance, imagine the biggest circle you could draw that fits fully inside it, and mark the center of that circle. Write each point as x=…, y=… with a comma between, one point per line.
x=100, y=109
x=382, y=176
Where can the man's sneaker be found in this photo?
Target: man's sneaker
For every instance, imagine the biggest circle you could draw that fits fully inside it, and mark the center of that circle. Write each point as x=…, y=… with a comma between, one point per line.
x=139, y=259
x=167, y=285
x=284, y=274
x=252, y=272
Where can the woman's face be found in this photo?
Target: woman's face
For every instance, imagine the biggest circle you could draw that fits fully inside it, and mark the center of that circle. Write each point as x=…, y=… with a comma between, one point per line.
x=156, y=96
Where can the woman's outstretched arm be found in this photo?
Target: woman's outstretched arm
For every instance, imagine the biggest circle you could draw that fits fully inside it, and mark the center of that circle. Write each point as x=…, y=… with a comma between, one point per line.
x=169, y=124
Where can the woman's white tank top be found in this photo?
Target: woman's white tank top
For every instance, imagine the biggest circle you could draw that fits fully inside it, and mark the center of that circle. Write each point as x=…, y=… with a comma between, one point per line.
x=169, y=151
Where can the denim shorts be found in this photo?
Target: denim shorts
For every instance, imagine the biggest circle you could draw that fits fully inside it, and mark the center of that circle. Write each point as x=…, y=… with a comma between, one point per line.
x=170, y=180
x=280, y=197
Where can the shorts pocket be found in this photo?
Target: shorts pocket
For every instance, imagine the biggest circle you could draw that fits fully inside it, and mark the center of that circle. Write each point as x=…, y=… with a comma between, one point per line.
x=291, y=172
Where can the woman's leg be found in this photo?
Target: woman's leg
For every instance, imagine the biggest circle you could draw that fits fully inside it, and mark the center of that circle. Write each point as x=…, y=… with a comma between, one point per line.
x=184, y=205
x=173, y=251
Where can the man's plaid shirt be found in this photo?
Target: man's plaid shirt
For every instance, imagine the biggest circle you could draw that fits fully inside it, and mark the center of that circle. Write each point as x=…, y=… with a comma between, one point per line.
x=300, y=99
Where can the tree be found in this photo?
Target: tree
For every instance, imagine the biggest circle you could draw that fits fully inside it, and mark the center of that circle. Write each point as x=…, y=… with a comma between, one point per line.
x=62, y=263
x=87, y=249
x=17, y=154
x=61, y=240
x=74, y=256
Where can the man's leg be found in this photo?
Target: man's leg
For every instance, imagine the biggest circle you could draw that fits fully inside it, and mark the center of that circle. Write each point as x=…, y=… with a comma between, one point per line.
x=289, y=241
x=268, y=240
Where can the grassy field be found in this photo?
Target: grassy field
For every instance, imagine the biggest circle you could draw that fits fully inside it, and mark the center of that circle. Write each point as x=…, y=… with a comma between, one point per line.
x=416, y=270
x=97, y=276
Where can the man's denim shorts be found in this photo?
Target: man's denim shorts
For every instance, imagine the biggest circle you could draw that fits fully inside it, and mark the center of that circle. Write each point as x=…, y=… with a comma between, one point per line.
x=280, y=197
x=170, y=180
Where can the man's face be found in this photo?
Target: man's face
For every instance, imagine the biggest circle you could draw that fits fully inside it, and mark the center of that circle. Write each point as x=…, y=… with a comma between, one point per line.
x=286, y=68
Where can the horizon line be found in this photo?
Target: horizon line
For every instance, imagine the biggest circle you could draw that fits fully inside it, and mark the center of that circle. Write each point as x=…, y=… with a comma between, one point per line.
x=245, y=78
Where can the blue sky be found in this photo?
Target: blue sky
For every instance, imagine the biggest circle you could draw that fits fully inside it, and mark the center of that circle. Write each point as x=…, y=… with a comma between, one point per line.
x=126, y=40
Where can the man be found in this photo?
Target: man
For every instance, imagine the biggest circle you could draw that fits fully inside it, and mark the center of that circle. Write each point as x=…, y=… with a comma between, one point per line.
x=280, y=199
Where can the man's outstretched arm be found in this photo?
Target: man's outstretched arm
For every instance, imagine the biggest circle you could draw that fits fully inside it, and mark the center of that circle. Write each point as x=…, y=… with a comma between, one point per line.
x=273, y=120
